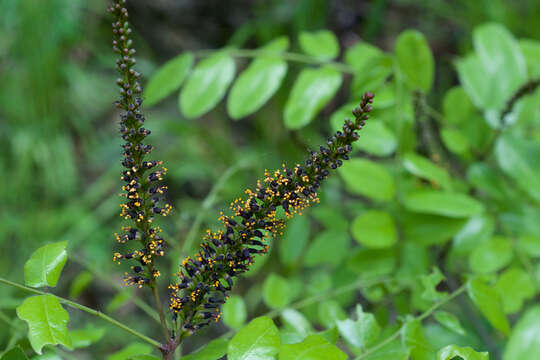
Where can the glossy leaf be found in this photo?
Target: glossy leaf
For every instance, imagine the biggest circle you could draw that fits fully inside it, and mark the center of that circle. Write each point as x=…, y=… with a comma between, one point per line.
x=487, y=300
x=361, y=333
x=395, y=350
x=442, y=203
x=372, y=262
x=82, y=338
x=297, y=321
x=234, y=312
x=45, y=265
x=215, y=349
x=329, y=247
x=207, y=85
x=424, y=168
x=415, y=339
x=368, y=178
x=415, y=60
x=476, y=230
x=144, y=357
x=47, y=321
x=130, y=351
x=259, y=340
x=455, y=141
x=428, y=229
x=466, y=353
x=314, y=347
x=80, y=283
x=531, y=51
x=491, y=255
x=518, y=158
x=259, y=82
x=524, y=342
x=515, y=286
x=313, y=89
x=168, y=78
x=330, y=312
x=374, y=229
x=322, y=44
x=276, y=291
x=449, y=321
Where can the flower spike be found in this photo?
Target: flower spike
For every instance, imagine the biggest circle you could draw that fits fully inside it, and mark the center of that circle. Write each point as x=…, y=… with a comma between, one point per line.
x=206, y=278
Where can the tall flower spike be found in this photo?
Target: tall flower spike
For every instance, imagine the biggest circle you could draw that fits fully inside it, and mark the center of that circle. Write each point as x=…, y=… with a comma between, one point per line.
x=206, y=278
x=142, y=189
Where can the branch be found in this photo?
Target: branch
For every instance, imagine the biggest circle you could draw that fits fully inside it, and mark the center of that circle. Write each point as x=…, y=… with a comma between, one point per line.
x=420, y=317
x=289, y=56
x=527, y=88
x=86, y=309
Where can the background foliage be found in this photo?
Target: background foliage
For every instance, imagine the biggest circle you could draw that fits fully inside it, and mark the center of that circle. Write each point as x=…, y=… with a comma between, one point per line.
x=440, y=202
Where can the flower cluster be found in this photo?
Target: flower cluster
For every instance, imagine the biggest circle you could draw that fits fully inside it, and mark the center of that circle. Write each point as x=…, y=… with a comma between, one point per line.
x=206, y=278
x=142, y=189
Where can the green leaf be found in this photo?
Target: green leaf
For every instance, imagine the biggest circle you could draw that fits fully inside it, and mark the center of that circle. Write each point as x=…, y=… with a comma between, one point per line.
x=487, y=300
x=207, y=85
x=373, y=262
x=130, y=351
x=322, y=44
x=457, y=106
x=449, y=321
x=368, y=178
x=518, y=158
x=234, y=312
x=466, y=353
x=496, y=70
x=394, y=350
x=313, y=89
x=429, y=230
x=531, y=51
x=14, y=354
x=360, y=333
x=82, y=338
x=372, y=67
x=80, y=283
x=477, y=230
x=424, y=168
x=455, y=141
x=168, y=78
x=215, y=349
x=259, y=340
x=442, y=203
x=329, y=247
x=374, y=229
x=259, y=82
x=297, y=321
x=45, y=265
x=515, y=286
x=415, y=339
x=314, y=347
x=524, y=342
x=491, y=256
x=144, y=357
x=330, y=312
x=276, y=291
x=415, y=60
x=47, y=321
x=119, y=300
x=530, y=245
x=294, y=240
x=501, y=57
x=430, y=283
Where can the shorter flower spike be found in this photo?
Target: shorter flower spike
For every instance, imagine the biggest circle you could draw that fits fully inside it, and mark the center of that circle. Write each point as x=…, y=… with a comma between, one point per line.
x=206, y=278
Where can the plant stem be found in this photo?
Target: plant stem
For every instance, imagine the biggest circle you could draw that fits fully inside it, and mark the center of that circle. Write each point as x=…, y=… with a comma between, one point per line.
x=289, y=56
x=207, y=204
x=160, y=310
x=420, y=317
x=86, y=309
x=527, y=88
x=106, y=279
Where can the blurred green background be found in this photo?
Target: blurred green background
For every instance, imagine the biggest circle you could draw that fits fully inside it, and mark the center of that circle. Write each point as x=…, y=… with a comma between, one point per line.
x=60, y=153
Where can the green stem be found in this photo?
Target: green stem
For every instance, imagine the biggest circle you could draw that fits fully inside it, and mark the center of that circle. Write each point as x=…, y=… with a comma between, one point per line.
x=86, y=309
x=207, y=204
x=289, y=56
x=160, y=310
x=420, y=317
x=120, y=288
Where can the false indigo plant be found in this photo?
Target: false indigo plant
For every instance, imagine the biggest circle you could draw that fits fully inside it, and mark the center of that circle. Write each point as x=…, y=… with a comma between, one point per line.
x=205, y=279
